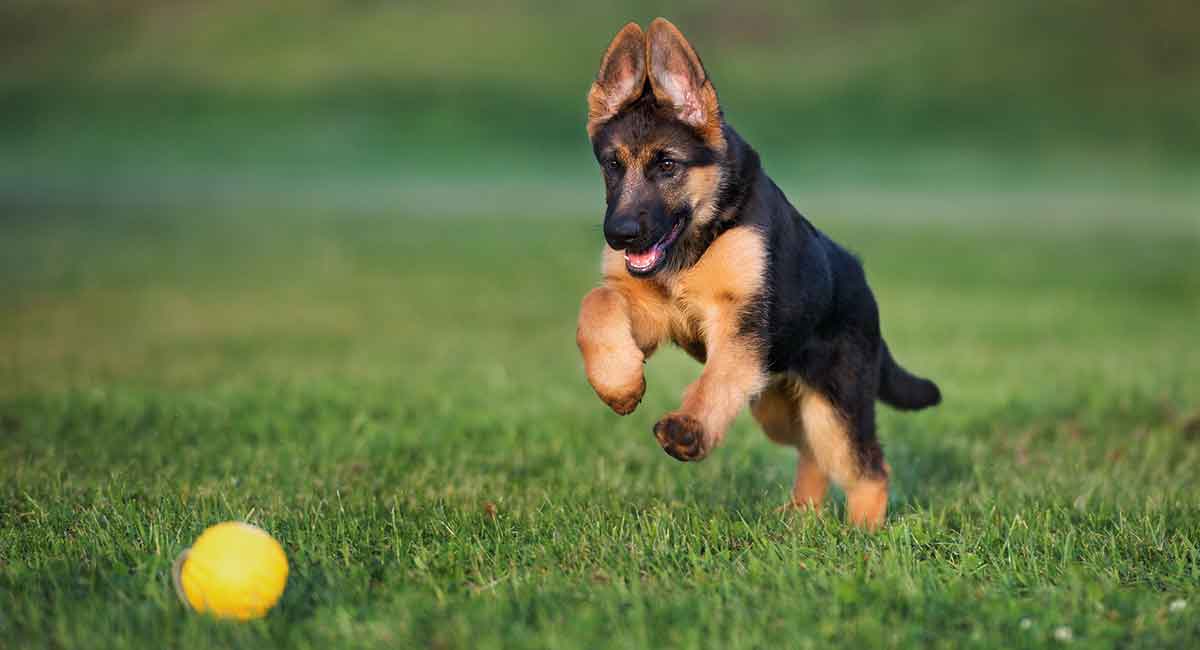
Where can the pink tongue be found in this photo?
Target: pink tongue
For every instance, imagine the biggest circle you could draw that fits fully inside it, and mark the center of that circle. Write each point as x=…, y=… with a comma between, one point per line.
x=642, y=260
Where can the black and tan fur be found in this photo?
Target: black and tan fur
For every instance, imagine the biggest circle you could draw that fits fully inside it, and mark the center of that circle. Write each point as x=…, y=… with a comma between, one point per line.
x=780, y=315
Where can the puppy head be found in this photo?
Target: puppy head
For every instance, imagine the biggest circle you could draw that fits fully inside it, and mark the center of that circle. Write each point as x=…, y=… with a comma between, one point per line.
x=657, y=132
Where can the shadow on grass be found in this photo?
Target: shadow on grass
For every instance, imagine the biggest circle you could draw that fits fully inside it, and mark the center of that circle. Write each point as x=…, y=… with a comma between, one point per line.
x=924, y=471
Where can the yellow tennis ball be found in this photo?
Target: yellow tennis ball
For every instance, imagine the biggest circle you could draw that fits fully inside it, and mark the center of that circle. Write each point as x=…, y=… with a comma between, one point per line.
x=233, y=570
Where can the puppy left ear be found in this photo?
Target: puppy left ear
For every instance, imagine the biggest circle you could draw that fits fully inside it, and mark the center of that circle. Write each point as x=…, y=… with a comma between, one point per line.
x=679, y=80
x=621, y=77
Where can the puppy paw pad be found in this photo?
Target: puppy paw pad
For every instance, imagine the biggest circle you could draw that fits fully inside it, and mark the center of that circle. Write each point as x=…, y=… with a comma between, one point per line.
x=681, y=436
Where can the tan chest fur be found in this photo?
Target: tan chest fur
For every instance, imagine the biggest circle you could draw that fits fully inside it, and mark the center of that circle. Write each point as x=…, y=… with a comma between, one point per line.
x=682, y=307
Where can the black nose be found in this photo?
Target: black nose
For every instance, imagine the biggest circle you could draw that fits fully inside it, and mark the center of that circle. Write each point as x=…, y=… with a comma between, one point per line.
x=622, y=231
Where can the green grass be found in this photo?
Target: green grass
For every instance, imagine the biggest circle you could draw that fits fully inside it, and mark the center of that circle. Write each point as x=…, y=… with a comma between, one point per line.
x=370, y=387
x=395, y=394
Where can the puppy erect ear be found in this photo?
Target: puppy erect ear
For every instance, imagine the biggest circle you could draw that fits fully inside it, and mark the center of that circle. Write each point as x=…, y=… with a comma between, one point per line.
x=679, y=80
x=621, y=78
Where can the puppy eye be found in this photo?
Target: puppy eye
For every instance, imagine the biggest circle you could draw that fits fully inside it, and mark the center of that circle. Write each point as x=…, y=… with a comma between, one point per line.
x=613, y=164
x=667, y=166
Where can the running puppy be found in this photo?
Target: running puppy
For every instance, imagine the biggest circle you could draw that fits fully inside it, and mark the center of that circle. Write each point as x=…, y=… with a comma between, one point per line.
x=704, y=250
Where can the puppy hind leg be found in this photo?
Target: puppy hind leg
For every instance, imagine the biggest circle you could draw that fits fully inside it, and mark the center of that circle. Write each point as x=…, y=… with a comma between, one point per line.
x=812, y=484
x=777, y=412
x=851, y=458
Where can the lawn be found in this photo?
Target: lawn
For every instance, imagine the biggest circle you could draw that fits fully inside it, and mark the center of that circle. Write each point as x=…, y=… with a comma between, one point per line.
x=398, y=399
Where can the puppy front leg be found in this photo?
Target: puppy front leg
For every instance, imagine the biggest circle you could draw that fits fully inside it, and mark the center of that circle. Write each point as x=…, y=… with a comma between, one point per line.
x=733, y=373
x=611, y=356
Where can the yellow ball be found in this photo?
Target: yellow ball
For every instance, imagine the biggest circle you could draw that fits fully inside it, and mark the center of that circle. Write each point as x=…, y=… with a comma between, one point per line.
x=233, y=570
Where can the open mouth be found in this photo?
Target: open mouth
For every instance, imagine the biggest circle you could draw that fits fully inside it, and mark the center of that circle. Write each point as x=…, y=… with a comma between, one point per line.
x=648, y=260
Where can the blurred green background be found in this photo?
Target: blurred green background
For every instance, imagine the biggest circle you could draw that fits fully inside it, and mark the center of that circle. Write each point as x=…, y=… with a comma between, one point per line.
x=370, y=102
x=316, y=266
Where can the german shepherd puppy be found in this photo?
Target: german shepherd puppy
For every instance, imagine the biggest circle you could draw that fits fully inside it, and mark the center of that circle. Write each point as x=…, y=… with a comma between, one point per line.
x=705, y=250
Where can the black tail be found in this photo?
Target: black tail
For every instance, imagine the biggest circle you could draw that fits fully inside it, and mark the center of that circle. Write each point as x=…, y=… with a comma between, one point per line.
x=902, y=389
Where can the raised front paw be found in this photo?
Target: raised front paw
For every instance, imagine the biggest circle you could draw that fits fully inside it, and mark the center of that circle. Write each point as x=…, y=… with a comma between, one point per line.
x=682, y=437
x=622, y=399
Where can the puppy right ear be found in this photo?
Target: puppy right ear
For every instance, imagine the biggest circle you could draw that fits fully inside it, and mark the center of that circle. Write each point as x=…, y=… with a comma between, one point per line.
x=621, y=77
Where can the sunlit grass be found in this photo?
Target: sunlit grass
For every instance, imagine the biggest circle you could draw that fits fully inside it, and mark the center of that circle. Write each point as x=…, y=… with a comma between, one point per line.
x=372, y=387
